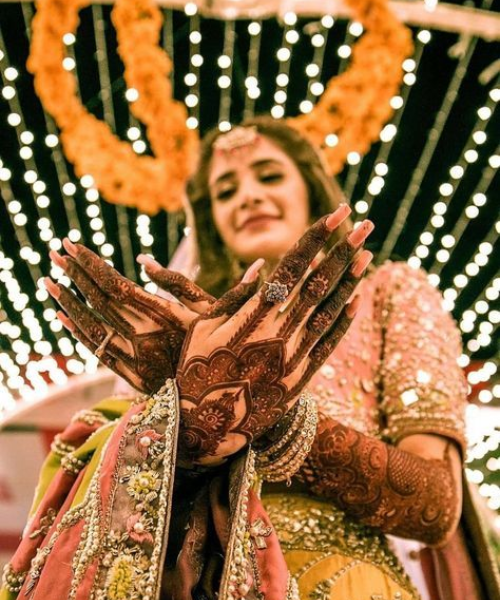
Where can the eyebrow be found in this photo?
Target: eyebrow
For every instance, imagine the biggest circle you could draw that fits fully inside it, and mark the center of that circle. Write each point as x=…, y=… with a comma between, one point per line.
x=255, y=165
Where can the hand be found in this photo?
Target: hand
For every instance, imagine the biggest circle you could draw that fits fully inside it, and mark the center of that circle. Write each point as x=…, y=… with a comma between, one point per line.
x=136, y=334
x=244, y=363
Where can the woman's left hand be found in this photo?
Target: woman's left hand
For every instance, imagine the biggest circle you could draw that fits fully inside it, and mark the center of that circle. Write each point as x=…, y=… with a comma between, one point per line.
x=244, y=364
x=136, y=334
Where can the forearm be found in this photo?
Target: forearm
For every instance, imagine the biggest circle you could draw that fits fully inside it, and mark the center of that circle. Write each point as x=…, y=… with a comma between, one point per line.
x=381, y=485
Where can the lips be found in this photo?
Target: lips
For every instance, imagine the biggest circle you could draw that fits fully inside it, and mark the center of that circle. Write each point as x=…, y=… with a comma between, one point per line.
x=257, y=220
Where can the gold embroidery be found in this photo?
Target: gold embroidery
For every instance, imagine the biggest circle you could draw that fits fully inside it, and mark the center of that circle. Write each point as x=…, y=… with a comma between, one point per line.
x=305, y=523
x=323, y=589
x=133, y=550
x=90, y=417
x=45, y=524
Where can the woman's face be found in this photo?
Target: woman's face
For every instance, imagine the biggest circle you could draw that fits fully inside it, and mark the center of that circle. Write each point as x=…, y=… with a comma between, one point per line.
x=260, y=202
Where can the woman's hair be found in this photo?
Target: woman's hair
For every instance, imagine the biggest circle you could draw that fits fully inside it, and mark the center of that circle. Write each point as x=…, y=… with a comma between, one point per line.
x=217, y=272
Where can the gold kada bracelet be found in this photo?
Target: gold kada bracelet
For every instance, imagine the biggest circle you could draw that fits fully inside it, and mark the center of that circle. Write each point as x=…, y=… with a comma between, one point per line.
x=281, y=460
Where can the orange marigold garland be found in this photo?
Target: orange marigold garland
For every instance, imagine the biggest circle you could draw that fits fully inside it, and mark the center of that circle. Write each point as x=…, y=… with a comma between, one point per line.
x=147, y=183
x=356, y=104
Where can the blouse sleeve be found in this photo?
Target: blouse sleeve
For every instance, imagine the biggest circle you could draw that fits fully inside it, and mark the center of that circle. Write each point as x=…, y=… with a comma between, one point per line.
x=423, y=388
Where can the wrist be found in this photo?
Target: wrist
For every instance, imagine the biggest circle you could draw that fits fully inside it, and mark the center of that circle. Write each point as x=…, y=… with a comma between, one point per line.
x=280, y=460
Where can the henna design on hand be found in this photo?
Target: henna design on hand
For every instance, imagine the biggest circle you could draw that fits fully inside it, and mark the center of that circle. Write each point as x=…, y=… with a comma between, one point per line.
x=380, y=485
x=258, y=361
x=148, y=330
x=178, y=285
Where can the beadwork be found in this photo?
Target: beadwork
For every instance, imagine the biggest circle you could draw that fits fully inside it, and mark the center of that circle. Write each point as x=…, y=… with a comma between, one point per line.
x=282, y=460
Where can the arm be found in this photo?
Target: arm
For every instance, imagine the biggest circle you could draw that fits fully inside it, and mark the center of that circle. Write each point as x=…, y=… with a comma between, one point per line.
x=410, y=486
x=412, y=490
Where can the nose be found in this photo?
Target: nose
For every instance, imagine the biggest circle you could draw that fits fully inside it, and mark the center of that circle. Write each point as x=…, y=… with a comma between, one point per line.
x=251, y=194
x=250, y=201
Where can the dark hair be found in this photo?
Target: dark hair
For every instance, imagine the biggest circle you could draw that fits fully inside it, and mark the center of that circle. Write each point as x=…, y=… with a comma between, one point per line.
x=216, y=273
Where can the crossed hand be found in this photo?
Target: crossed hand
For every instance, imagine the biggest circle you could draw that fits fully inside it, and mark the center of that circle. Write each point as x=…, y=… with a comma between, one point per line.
x=240, y=362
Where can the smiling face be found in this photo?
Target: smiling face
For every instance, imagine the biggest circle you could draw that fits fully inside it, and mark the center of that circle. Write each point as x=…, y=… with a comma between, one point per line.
x=259, y=199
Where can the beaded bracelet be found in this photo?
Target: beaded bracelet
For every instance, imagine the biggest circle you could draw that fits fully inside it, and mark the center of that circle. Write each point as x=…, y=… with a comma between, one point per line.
x=290, y=427
x=282, y=460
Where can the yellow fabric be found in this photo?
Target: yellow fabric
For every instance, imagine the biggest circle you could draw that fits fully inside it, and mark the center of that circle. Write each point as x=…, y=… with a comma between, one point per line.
x=94, y=447
x=112, y=409
x=352, y=579
x=331, y=557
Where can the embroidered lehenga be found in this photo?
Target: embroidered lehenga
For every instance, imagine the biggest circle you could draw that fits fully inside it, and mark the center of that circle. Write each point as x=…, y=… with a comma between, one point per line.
x=110, y=495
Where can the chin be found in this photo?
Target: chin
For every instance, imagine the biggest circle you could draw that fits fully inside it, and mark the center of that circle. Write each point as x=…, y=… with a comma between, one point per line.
x=269, y=249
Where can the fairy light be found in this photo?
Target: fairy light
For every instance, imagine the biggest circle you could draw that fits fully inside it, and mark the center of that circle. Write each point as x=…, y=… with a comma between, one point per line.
x=143, y=223
x=69, y=64
x=251, y=81
x=8, y=92
x=289, y=38
x=447, y=190
x=131, y=95
x=388, y=137
x=192, y=78
x=427, y=153
x=190, y=9
x=139, y=146
x=225, y=62
x=69, y=39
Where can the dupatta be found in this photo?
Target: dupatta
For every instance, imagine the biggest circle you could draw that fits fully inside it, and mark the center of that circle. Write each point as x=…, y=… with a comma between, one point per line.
x=111, y=521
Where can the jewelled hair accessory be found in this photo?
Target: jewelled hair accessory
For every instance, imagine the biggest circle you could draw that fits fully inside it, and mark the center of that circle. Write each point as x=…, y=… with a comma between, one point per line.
x=236, y=139
x=276, y=292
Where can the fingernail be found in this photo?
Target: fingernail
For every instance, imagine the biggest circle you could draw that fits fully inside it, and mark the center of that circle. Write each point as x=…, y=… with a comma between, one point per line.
x=57, y=259
x=69, y=247
x=359, y=235
x=361, y=263
x=336, y=218
x=144, y=259
x=67, y=323
x=253, y=271
x=51, y=287
x=353, y=306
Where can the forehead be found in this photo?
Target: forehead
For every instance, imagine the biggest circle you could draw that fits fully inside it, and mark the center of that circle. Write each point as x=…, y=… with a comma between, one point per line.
x=239, y=159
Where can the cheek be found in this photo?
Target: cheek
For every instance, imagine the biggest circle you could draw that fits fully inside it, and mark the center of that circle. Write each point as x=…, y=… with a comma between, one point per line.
x=298, y=208
x=222, y=217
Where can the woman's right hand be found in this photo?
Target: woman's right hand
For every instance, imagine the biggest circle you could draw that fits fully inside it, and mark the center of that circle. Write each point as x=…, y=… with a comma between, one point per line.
x=245, y=363
x=136, y=334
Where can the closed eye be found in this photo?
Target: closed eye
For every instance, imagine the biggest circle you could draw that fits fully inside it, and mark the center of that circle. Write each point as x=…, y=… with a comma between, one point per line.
x=225, y=193
x=271, y=177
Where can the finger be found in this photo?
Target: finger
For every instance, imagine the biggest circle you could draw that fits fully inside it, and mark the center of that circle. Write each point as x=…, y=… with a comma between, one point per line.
x=125, y=293
x=105, y=306
x=323, y=349
x=226, y=308
x=182, y=288
x=105, y=277
x=81, y=316
x=328, y=311
x=119, y=365
x=66, y=321
x=236, y=297
x=324, y=316
x=324, y=277
x=296, y=261
x=329, y=342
